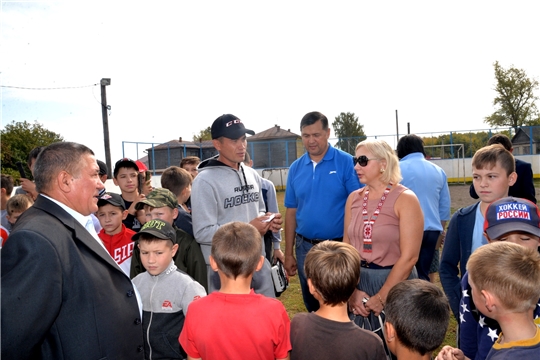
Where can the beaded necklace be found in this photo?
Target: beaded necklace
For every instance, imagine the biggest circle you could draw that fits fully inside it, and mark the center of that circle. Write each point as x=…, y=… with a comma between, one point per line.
x=368, y=222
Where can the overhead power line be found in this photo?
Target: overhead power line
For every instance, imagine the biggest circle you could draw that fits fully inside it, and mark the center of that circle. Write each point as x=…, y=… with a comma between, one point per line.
x=48, y=88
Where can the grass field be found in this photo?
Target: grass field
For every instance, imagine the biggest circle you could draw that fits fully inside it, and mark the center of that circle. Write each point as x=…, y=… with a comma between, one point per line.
x=292, y=297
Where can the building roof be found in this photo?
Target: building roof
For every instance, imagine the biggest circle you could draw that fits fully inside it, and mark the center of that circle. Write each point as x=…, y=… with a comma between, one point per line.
x=522, y=135
x=275, y=132
x=179, y=143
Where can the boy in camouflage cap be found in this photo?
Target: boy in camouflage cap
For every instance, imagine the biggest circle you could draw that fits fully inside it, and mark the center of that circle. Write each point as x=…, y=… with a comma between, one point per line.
x=162, y=204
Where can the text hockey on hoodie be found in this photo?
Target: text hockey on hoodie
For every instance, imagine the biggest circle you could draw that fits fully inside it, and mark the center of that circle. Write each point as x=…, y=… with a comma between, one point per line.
x=221, y=194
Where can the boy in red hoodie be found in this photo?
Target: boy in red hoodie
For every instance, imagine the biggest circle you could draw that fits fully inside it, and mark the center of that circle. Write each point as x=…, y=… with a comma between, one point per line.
x=115, y=235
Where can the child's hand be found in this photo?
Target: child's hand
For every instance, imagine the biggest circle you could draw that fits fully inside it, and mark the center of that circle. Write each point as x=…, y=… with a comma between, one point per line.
x=450, y=353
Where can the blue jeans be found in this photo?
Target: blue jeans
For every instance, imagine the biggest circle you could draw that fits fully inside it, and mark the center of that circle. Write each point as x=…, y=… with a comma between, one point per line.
x=302, y=248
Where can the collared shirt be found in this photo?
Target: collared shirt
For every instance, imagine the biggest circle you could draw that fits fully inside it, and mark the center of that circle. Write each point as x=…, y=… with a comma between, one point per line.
x=434, y=199
x=319, y=193
x=88, y=224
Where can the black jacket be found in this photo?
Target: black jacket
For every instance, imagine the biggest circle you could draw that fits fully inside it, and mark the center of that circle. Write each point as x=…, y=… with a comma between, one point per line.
x=63, y=296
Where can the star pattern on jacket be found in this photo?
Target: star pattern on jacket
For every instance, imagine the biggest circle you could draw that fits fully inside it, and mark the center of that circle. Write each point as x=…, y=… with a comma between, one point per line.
x=477, y=332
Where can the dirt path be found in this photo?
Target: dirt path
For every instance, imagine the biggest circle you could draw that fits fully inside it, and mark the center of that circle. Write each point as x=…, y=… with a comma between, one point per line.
x=459, y=195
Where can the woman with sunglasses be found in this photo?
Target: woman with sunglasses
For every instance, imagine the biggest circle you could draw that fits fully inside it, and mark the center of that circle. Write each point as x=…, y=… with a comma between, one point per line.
x=384, y=222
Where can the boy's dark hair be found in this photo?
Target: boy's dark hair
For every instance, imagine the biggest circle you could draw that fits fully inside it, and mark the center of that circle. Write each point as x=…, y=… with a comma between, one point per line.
x=237, y=249
x=18, y=203
x=33, y=154
x=501, y=139
x=488, y=156
x=7, y=183
x=334, y=270
x=419, y=312
x=312, y=117
x=125, y=163
x=409, y=144
x=189, y=160
x=175, y=179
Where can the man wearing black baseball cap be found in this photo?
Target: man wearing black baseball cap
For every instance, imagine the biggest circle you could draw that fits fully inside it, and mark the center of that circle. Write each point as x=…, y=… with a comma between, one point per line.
x=225, y=190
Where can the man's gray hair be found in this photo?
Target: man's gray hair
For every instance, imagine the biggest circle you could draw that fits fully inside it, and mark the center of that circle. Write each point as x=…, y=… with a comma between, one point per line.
x=60, y=156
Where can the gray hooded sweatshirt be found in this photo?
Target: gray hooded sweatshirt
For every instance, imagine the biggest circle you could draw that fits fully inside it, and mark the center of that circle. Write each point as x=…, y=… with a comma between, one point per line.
x=219, y=195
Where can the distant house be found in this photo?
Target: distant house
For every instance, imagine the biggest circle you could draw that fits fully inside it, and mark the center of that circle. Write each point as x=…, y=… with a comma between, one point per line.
x=527, y=140
x=271, y=148
x=274, y=148
x=172, y=152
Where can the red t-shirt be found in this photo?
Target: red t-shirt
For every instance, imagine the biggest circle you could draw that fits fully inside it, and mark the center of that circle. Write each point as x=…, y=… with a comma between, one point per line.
x=236, y=326
x=120, y=246
x=4, y=233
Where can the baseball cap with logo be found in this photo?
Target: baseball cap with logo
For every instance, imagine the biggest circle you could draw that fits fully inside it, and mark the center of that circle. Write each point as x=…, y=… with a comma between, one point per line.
x=511, y=214
x=159, y=198
x=229, y=126
x=111, y=198
x=157, y=228
x=125, y=162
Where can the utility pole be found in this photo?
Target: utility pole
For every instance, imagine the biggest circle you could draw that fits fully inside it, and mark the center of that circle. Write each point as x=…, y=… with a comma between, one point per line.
x=105, y=115
x=397, y=127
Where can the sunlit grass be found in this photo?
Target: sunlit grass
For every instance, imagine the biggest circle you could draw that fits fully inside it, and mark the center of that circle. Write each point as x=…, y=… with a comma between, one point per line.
x=292, y=297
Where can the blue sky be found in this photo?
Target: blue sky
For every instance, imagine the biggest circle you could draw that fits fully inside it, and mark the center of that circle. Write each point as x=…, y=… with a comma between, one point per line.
x=175, y=66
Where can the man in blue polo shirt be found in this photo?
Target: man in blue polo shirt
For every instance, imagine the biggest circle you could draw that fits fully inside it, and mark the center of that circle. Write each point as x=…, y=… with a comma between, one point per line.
x=434, y=199
x=318, y=185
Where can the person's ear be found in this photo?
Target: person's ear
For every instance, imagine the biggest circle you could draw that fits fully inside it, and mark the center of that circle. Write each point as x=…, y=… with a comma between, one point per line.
x=174, y=249
x=175, y=213
x=389, y=332
x=213, y=264
x=489, y=300
x=312, y=289
x=488, y=238
x=217, y=144
x=114, y=181
x=260, y=264
x=512, y=178
x=64, y=180
x=124, y=214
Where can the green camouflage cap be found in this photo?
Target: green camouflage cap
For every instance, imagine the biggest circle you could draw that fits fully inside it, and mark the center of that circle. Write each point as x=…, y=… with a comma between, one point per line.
x=159, y=198
x=157, y=228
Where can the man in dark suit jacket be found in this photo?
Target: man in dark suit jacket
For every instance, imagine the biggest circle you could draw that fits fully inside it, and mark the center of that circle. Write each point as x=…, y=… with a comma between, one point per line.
x=63, y=296
x=524, y=186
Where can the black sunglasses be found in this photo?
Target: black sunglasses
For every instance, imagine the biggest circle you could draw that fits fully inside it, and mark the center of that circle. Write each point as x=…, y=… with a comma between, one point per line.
x=361, y=160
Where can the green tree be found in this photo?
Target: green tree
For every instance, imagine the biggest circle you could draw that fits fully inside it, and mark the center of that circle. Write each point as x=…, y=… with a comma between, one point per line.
x=348, y=131
x=205, y=134
x=515, y=98
x=18, y=139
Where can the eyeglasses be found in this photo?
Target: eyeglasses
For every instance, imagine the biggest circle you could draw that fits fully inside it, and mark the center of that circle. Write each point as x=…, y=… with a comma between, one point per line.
x=361, y=160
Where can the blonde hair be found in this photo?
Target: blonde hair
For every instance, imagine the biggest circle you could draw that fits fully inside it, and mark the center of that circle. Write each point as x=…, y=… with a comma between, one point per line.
x=509, y=271
x=18, y=203
x=382, y=151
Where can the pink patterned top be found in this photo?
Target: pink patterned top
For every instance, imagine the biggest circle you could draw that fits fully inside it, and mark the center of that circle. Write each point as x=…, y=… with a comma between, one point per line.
x=385, y=238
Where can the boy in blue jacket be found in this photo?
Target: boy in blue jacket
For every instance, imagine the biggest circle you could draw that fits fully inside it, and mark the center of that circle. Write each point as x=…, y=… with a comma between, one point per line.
x=493, y=173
